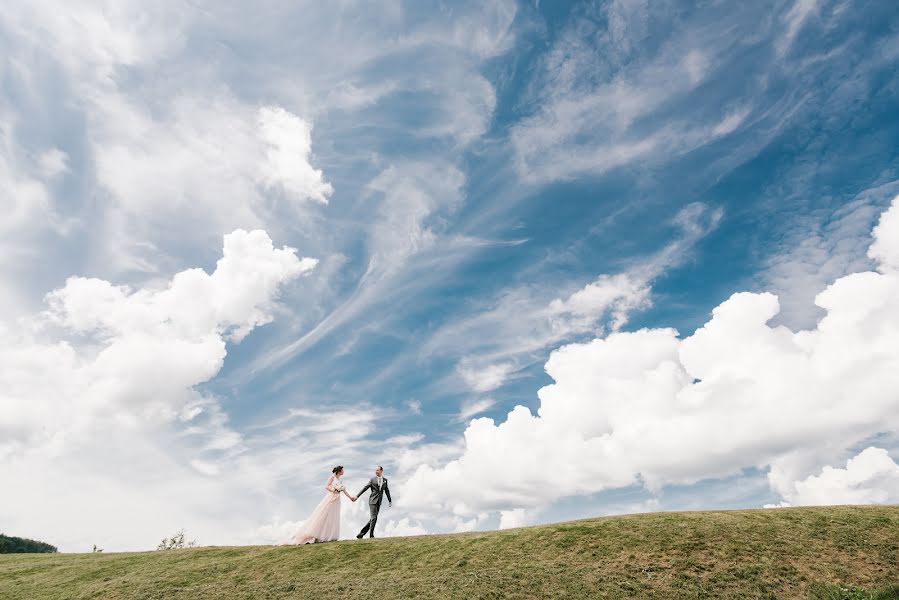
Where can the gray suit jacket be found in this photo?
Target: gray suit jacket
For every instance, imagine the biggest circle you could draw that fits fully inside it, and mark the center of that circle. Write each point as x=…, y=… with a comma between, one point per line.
x=377, y=492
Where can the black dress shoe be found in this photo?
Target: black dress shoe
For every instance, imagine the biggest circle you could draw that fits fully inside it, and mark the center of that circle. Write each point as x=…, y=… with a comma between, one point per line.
x=359, y=537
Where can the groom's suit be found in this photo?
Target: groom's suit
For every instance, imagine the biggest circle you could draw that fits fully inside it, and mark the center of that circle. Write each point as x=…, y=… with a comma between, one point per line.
x=378, y=487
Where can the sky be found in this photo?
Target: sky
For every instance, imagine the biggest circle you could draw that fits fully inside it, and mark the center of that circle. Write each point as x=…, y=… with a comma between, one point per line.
x=540, y=260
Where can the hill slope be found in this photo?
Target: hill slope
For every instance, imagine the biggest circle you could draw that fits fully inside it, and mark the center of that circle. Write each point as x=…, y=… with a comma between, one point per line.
x=782, y=553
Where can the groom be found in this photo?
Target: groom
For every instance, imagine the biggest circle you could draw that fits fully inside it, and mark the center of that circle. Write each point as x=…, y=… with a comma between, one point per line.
x=378, y=486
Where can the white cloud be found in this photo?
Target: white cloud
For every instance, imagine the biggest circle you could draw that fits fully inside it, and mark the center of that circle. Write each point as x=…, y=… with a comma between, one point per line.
x=54, y=162
x=175, y=149
x=485, y=379
x=497, y=340
x=276, y=532
x=290, y=144
x=207, y=161
x=402, y=527
x=517, y=517
x=598, y=94
x=142, y=351
x=885, y=249
x=349, y=96
x=176, y=132
x=610, y=91
x=92, y=39
x=730, y=122
x=474, y=407
x=27, y=206
x=795, y=18
x=870, y=477
x=819, y=250
x=614, y=295
x=414, y=199
x=98, y=395
x=647, y=407
x=26, y=202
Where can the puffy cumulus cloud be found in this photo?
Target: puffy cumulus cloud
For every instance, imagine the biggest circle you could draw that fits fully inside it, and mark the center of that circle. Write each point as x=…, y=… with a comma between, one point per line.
x=107, y=356
x=290, y=144
x=276, y=532
x=517, y=517
x=648, y=407
x=885, y=249
x=870, y=477
x=104, y=434
x=402, y=527
x=353, y=515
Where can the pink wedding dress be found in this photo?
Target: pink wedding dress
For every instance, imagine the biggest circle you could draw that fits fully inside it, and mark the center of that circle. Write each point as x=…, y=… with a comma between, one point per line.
x=323, y=525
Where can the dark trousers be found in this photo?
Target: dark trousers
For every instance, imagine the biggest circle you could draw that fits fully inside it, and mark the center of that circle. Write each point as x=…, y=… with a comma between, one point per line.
x=370, y=526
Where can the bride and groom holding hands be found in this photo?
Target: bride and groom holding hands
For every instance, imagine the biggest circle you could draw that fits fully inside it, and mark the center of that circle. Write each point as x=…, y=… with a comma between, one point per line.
x=323, y=525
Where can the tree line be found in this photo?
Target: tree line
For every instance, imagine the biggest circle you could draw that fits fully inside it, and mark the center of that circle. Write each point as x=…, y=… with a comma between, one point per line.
x=17, y=545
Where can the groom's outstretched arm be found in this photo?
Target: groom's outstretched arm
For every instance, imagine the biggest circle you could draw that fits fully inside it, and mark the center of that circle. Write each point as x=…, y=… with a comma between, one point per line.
x=367, y=485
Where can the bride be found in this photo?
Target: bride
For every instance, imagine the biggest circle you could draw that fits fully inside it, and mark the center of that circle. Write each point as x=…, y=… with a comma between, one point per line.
x=323, y=525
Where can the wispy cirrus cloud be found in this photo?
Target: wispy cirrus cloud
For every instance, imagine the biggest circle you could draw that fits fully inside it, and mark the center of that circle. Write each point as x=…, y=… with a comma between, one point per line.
x=611, y=92
x=495, y=342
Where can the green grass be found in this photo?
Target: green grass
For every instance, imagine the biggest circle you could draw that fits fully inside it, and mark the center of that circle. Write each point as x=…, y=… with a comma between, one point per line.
x=832, y=553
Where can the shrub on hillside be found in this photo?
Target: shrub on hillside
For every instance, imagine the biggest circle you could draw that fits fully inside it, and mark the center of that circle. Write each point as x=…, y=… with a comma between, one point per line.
x=175, y=542
x=17, y=545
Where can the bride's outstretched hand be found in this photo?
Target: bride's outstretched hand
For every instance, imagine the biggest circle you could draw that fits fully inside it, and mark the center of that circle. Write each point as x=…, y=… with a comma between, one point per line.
x=354, y=498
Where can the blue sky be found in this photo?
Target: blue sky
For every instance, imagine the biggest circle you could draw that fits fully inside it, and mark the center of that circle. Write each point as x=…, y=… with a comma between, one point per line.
x=481, y=184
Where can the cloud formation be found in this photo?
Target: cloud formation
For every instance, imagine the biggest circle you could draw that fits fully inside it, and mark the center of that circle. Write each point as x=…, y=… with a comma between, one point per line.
x=870, y=477
x=112, y=371
x=650, y=408
x=525, y=320
x=287, y=160
x=108, y=353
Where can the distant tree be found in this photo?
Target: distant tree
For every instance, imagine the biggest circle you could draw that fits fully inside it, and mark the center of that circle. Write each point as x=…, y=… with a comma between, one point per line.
x=176, y=542
x=17, y=545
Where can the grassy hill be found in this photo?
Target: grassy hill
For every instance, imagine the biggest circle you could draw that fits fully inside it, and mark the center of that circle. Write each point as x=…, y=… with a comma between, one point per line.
x=833, y=552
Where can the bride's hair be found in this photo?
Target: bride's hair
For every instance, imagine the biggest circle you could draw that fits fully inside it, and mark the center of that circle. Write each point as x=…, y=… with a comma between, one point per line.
x=337, y=469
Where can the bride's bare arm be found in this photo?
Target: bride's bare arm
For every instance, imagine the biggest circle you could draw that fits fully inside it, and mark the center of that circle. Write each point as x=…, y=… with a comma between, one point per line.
x=329, y=486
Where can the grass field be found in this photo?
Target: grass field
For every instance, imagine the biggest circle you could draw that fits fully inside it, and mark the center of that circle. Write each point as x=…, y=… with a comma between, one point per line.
x=832, y=552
